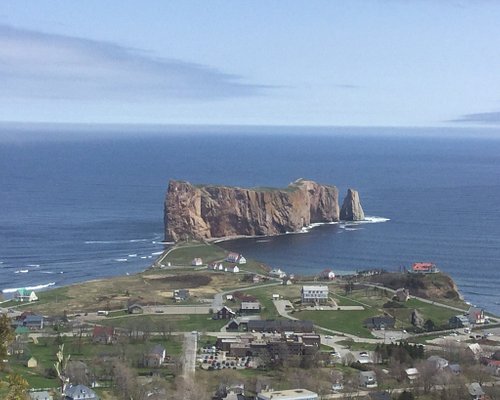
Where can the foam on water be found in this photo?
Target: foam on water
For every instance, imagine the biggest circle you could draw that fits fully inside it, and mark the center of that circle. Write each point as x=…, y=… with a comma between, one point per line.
x=35, y=287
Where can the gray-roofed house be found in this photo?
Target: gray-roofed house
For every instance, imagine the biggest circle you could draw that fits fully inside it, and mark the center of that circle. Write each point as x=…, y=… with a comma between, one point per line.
x=250, y=307
x=382, y=322
x=41, y=395
x=476, y=391
x=79, y=392
x=135, y=308
x=33, y=322
x=476, y=316
x=459, y=321
x=155, y=357
x=438, y=363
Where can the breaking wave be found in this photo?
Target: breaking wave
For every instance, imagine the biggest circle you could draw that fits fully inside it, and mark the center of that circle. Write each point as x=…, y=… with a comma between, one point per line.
x=36, y=287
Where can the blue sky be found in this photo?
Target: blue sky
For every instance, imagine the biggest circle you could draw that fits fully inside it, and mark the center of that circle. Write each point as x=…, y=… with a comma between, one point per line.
x=326, y=63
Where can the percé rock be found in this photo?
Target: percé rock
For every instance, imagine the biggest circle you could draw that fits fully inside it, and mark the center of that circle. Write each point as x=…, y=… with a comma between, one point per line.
x=351, y=207
x=206, y=212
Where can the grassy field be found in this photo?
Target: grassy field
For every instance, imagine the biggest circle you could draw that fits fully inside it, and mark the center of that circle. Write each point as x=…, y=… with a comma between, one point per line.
x=175, y=323
x=182, y=254
x=350, y=322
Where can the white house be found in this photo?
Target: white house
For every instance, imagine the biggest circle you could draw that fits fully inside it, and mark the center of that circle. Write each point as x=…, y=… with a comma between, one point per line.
x=197, y=262
x=291, y=394
x=236, y=258
x=277, y=272
x=327, y=274
x=314, y=294
x=234, y=269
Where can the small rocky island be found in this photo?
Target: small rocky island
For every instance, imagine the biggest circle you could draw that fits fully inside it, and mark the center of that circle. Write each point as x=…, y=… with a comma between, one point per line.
x=211, y=211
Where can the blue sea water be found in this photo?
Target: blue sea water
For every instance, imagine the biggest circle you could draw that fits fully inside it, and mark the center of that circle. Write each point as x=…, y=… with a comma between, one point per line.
x=77, y=210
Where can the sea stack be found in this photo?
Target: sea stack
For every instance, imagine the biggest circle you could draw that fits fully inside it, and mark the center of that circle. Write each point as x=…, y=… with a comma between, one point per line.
x=211, y=211
x=351, y=207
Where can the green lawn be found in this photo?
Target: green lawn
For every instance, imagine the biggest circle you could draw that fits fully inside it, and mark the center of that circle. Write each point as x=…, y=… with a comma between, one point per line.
x=178, y=323
x=184, y=254
x=350, y=322
x=439, y=315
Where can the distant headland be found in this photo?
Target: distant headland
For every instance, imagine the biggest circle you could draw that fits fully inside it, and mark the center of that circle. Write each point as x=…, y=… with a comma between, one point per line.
x=203, y=212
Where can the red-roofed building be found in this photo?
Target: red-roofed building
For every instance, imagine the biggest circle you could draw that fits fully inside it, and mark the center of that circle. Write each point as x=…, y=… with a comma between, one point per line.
x=103, y=334
x=494, y=367
x=424, y=268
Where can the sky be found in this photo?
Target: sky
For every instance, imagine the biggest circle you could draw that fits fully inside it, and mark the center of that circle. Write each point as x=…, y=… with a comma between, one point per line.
x=368, y=63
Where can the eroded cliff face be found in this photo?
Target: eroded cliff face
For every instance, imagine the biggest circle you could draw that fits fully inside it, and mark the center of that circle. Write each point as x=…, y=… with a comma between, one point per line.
x=351, y=207
x=206, y=212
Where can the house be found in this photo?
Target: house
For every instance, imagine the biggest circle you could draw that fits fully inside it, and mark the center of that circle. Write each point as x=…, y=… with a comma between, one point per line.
x=454, y=369
x=424, y=268
x=367, y=379
x=79, y=392
x=225, y=313
x=327, y=274
x=276, y=296
x=33, y=321
x=181, y=294
x=475, y=349
x=24, y=295
x=314, y=294
x=256, y=279
x=32, y=363
x=412, y=374
x=236, y=258
x=476, y=391
x=249, y=307
x=402, y=295
x=382, y=322
x=155, y=357
x=197, y=262
x=42, y=395
x=287, y=281
x=135, y=309
x=476, y=316
x=292, y=394
x=493, y=367
x=277, y=272
x=103, y=334
x=232, y=268
x=229, y=297
x=437, y=363
x=459, y=321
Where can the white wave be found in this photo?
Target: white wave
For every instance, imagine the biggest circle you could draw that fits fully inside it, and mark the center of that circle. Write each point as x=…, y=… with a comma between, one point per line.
x=374, y=220
x=116, y=241
x=22, y=271
x=157, y=253
x=150, y=256
x=263, y=241
x=36, y=287
x=47, y=272
x=33, y=265
x=354, y=229
x=143, y=257
x=121, y=259
x=132, y=255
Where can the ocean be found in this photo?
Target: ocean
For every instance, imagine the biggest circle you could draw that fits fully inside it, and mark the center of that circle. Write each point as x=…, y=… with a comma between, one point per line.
x=75, y=210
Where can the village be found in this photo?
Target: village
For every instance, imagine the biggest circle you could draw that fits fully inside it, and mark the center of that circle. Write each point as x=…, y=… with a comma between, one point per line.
x=205, y=323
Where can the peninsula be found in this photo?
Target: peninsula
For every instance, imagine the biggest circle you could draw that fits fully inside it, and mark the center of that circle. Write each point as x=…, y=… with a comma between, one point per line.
x=203, y=212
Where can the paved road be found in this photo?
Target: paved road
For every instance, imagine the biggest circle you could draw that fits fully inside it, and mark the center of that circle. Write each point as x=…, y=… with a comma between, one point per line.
x=190, y=350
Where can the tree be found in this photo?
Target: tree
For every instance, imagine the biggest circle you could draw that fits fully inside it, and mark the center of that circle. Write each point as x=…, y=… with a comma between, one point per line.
x=17, y=387
x=6, y=337
x=60, y=367
x=406, y=396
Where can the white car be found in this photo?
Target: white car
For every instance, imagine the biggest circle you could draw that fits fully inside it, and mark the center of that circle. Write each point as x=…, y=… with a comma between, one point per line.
x=337, y=387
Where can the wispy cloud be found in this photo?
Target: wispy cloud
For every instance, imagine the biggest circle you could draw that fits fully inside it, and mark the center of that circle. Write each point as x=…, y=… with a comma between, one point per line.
x=487, y=118
x=50, y=66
